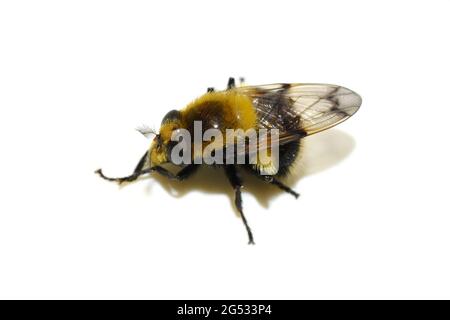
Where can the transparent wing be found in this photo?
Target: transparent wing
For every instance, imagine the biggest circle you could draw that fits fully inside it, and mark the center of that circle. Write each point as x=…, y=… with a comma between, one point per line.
x=302, y=109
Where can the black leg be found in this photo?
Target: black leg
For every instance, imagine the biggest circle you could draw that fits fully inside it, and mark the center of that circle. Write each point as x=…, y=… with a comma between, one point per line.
x=236, y=183
x=231, y=84
x=136, y=173
x=210, y=89
x=183, y=174
x=280, y=185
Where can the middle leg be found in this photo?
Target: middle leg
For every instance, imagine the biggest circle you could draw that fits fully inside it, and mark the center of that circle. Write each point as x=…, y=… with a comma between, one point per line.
x=236, y=183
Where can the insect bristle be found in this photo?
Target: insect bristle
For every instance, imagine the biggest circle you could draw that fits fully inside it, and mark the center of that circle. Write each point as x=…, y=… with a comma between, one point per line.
x=146, y=131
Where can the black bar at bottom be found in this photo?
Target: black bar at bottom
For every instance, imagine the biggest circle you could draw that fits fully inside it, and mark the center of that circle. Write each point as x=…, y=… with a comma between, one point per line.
x=220, y=309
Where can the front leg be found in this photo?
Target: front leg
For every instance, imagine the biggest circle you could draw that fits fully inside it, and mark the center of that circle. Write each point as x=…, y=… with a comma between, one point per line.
x=183, y=174
x=138, y=171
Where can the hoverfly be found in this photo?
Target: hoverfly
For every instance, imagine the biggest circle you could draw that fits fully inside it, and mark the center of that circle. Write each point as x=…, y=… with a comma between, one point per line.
x=296, y=110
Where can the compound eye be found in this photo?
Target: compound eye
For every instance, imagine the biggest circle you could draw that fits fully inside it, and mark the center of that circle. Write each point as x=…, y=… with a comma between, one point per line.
x=171, y=116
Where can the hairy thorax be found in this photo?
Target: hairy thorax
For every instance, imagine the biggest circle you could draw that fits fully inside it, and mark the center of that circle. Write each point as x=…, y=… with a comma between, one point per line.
x=220, y=110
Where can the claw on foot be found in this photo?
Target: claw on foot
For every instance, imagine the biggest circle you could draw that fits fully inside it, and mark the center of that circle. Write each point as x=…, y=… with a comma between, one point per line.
x=118, y=180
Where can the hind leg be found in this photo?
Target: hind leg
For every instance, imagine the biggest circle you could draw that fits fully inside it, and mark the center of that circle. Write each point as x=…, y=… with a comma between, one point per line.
x=281, y=185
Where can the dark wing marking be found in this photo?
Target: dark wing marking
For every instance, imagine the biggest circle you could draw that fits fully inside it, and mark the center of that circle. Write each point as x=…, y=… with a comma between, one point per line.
x=302, y=109
x=299, y=110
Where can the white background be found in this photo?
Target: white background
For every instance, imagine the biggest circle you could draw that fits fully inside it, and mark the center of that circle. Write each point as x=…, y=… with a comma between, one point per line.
x=77, y=77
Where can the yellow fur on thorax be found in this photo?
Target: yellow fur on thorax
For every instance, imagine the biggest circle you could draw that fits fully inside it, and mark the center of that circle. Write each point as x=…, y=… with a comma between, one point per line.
x=238, y=110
